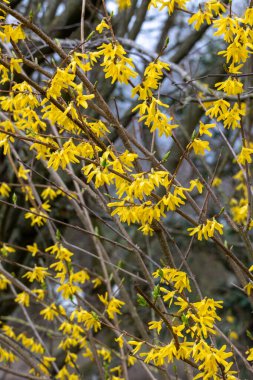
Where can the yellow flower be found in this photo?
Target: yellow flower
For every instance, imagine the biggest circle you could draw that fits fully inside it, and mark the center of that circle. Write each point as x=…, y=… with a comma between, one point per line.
x=245, y=156
x=40, y=294
x=60, y=252
x=96, y=282
x=227, y=26
x=33, y=249
x=179, y=279
x=4, y=190
x=207, y=230
x=199, y=18
x=123, y=4
x=68, y=290
x=248, y=17
x=117, y=65
x=4, y=282
x=250, y=354
x=62, y=157
x=15, y=65
x=204, y=129
x=49, y=193
x=23, y=298
x=156, y=325
x=113, y=306
x=6, y=356
x=146, y=229
x=50, y=312
x=177, y=330
x=216, y=182
x=230, y=319
x=199, y=146
x=82, y=276
x=231, y=86
x=37, y=216
x=120, y=341
x=233, y=335
x=38, y=273
x=137, y=346
x=5, y=250
x=219, y=107
x=169, y=295
x=103, y=25
x=248, y=288
x=22, y=172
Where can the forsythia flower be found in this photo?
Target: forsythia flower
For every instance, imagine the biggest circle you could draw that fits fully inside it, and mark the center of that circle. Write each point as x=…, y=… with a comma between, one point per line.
x=136, y=344
x=4, y=190
x=103, y=25
x=33, y=249
x=231, y=86
x=49, y=193
x=207, y=230
x=123, y=4
x=178, y=278
x=216, y=182
x=38, y=273
x=68, y=290
x=199, y=146
x=204, y=129
x=22, y=172
x=120, y=341
x=156, y=325
x=199, y=18
x=245, y=156
x=113, y=306
x=89, y=319
x=51, y=311
x=37, y=216
x=248, y=17
x=4, y=282
x=170, y=4
x=117, y=65
x=23, y=298
x=250, y=354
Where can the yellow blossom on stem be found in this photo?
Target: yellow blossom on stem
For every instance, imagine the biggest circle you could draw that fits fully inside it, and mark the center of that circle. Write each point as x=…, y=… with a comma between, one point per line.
x=33, y=249
x=207, y=230
x=250, y=354
x=37, y=274
x=22, y=172
x=231, y=86
x=113, y=306
x=123, y=4
x=4, y=190
x=23, y=298
x=199, y=146
x=103, y=25
x=157, y=325
x=50, y=312
x=4, y=282
x=204, y=129
x=136, y=344
x=245, y=155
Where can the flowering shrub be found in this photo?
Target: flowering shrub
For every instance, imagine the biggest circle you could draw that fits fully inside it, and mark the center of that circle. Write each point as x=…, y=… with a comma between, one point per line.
x=137, y=305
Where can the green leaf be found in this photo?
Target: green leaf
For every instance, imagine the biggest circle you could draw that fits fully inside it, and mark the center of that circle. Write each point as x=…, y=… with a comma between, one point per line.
x=166, y=156
x=14, y=199
x=141, y=301
x=249, y=335
x=156, y=292
x=58, y=235
x=184, y=319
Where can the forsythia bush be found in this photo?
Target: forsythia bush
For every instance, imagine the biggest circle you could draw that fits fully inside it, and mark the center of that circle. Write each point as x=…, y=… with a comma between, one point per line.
x=132, y=308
